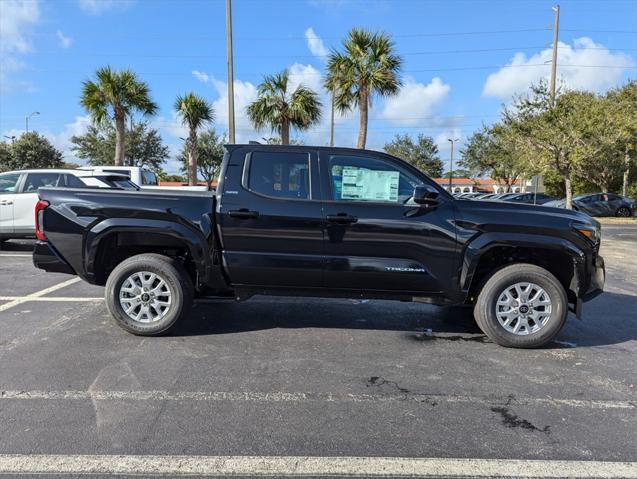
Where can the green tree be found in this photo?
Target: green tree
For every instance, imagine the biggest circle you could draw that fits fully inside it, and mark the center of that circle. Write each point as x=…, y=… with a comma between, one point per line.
x=368, y=66
x=493, y=152
x=210, y=153
x=115, y=95
x=143, y=145
x=551, y=133
x=5, y=156
x=624, y=104
x=195, y=112
x=30, y=151
x=422, y=153
x=280, y=108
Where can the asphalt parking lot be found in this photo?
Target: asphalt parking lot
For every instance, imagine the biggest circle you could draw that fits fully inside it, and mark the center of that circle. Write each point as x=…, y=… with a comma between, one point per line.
x=281, y=378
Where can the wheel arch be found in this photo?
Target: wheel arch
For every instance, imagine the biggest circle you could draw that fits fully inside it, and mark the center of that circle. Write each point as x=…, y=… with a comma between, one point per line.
x=113, y=240
x=491, y=252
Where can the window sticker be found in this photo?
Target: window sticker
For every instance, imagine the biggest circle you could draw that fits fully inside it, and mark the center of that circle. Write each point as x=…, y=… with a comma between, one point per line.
x=369, y=185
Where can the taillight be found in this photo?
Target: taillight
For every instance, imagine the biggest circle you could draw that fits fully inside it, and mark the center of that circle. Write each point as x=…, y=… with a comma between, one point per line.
x=39, y=211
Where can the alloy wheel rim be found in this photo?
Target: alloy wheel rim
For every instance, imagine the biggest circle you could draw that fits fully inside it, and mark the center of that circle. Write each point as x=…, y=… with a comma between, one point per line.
x=523, y=308
x=623, y=212
x=145, y=297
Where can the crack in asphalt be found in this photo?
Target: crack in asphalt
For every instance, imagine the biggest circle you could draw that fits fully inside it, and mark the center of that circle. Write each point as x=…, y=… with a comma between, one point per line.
x=511, y=420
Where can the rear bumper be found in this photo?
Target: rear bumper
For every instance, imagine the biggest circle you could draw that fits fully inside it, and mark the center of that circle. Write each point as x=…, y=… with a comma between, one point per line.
x=45, y=257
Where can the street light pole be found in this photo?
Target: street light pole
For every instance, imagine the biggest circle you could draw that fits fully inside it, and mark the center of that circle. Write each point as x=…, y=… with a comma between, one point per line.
x=556, y=29
x=26, y=119
x=231, y=132
x=451, y=163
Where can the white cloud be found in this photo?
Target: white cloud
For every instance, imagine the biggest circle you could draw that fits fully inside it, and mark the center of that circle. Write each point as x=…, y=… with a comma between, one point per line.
x=202, y=77
x=584, y=53
x=98, y=7
x=244, y=93
x=17, y=18
x=64, y=41
x=315, y=44
x=415, y=102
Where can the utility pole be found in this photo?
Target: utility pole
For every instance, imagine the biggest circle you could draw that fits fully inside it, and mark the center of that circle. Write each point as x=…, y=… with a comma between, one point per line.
x=230, y=71
x=26, y=120
x=332, y=119
x=556, y=29
x=451, y=163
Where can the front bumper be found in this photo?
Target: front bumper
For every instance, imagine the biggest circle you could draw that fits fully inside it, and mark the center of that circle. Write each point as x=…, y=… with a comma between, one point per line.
x=595, y=287
x=45, y=257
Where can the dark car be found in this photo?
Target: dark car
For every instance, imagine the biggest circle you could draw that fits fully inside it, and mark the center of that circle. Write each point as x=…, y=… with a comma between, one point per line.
x=530, y=198
x=327, y=222
x=599, y=204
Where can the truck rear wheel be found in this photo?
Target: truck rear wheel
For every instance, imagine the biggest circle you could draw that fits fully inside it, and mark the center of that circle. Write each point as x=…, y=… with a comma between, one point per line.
x=521, y=306
x=148, y=293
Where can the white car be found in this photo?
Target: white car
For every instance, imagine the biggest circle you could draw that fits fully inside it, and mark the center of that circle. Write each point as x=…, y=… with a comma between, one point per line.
x=145, y=178
x=19, y=194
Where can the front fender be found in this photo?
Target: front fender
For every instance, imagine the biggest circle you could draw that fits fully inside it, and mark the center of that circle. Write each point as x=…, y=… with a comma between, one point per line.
x=484, y=243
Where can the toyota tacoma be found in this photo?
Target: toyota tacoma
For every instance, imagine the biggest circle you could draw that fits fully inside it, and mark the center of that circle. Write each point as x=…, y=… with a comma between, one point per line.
x=329, y=222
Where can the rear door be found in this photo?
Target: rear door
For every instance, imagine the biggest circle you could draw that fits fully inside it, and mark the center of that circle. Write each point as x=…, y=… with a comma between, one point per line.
x=24, y=204
x=9, y=183
x=376, y=238
x=271, y=220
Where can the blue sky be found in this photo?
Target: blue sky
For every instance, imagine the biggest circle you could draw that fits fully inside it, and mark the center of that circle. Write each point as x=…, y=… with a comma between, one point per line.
x=456, y=54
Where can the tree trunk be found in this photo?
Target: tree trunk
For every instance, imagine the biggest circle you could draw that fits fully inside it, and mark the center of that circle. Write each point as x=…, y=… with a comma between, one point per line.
x=285, y=132
x=192, y=158
x=363, y=104
x=626, y=173
x=120, y=132
x=569, y=192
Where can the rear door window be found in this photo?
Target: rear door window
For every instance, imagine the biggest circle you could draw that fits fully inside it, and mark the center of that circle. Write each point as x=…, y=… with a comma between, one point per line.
x=40, y=180
x=279, y=174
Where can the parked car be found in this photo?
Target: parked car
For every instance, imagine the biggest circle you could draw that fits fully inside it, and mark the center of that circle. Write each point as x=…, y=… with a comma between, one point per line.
x=18, y=194
x=318, y=221
x=531, y=198
x=469, y=196
x=599, y=204
x=147, y=179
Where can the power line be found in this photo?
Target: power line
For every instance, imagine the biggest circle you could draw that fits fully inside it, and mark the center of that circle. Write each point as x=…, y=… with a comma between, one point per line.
x=427, y=52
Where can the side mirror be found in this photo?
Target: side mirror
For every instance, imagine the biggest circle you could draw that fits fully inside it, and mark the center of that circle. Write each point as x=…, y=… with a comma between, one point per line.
x=426, y=195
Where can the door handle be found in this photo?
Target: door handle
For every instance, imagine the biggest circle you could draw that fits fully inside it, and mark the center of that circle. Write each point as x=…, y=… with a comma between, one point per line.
x=342, y=218
x=243, y=214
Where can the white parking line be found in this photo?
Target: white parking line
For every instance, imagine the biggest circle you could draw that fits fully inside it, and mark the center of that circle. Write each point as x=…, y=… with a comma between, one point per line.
x=298, y=466
x=283, y=396
x=58, y=299
x=37, y=294
x=16, y=255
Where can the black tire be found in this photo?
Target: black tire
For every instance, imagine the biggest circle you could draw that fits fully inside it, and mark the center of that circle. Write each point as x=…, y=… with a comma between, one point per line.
x=486, y=304
x=623, y=212
x=176, y=279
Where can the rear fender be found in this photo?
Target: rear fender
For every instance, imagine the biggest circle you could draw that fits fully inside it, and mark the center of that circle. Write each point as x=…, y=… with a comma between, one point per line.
x=200, y=248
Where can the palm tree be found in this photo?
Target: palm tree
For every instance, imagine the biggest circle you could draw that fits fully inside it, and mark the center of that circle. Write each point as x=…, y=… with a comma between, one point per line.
x=195, y=112
x=279, y=108
x=114, y=96
x=368, y=66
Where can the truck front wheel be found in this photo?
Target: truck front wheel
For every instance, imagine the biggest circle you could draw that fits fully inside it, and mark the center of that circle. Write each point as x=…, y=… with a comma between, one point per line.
x=148, y=293
x=521, y=306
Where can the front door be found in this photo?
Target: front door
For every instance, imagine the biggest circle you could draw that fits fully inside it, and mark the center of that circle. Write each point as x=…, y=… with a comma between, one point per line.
x=377, y=239
x=271, y=220
x=8, y=189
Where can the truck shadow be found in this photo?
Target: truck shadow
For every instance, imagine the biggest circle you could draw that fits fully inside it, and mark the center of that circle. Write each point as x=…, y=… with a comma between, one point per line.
x=608, y=319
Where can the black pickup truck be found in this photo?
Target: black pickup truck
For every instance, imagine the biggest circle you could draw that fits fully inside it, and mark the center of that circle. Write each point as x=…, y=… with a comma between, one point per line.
x=331, y=222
